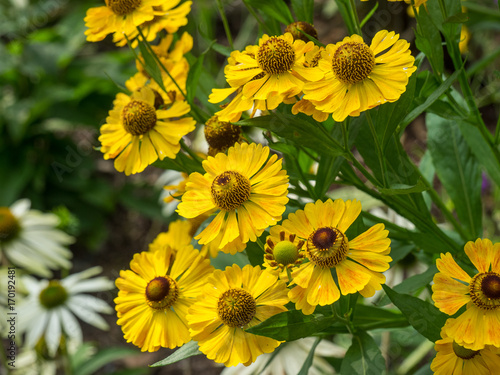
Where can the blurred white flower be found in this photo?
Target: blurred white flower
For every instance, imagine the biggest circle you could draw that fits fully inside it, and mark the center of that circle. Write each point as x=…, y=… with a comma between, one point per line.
x=290, y=358
x=30, y=239
x=48, y=310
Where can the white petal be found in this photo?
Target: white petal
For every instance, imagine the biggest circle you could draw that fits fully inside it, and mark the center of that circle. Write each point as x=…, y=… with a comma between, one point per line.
x=91, y=303
x=71, y=326
x=95, y=285
x=73, y=279
x=88, y=316
x=20, y=207
x=36, y=329
x=53, y=332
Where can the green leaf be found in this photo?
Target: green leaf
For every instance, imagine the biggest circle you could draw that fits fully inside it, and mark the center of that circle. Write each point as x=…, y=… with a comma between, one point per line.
x=328, y=169
x=304, y=370
x=457, y=18
x=304, y=10
x=398, y=189
x=185, y=351
x=457, y=169
x=431, y=99
x=363, y=357
x=276, y=9
x=423, y=316
x=150, y=63
x=292, y=325
x=182, y=163
x=102, y=358
x=428, y=41
x=481, y=150
x=299, y=129
x=194, y=77
x=255, y=253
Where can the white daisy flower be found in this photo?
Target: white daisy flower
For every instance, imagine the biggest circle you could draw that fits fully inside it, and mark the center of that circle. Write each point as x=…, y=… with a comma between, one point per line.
x=30, y=240
x=290, y=358
x=49, y=310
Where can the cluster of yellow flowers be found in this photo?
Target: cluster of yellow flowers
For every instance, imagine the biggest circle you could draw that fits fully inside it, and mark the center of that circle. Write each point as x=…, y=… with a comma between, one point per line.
x=172, y=294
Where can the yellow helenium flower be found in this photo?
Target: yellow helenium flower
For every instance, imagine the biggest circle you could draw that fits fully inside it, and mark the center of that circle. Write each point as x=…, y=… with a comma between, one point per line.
x=120, y=16
x=248, y=189
x=177, y=237
x=137, y=133
x=479, y=325
x=264, y=75
x=170, y=19
x=357, y=77
x=155, y=295
x=454, y=359
x=283, y=250
x=231, y=302
x=357, y=263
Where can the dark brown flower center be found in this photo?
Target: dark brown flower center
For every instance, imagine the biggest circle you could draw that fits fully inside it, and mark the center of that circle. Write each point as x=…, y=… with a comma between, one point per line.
x=353, y=62
x=464, y=353
x=161, y=292
x=53, y=295
x=123, y=7
x=326, y=247
x=276, y=56
x=138, y=117
x=296, y=27
x=9, y=226
x=221, y=135
x=484, y=290
x=236, y=307
x=230, y=190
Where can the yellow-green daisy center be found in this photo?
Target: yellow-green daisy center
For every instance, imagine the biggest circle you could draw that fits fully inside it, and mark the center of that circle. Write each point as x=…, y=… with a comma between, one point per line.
x=138, y=117
x=326, y=247
x=484, y=290
x=285, y=253
x=53, y=295
x=123, y=7
x=276, y=56
x=236, y=307
x=353, y=62
x=9, y=225
x=230, y=190
x=464, y=353
x=162, y=292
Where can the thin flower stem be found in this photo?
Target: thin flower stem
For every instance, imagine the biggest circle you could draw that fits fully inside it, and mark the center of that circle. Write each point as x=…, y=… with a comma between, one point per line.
x=289, y=274
x=190, y=152
x=345, y=135
x=355, y=17
x=261, y=245
x=225, y=23
x=380, y=155
x=343, y=320
x=305, y=181
x=256, y=16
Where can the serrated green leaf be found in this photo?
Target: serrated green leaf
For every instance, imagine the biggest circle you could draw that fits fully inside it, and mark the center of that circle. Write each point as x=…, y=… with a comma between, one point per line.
x=457, y=169
x=423, y=316
x=292, y=325
x=185, y=351
x=363, y=357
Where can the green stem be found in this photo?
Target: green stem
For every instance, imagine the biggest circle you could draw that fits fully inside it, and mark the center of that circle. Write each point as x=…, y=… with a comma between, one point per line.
x=256, y=16
x=369, y=15
x=225, y=23
x=190, y=152
x=305, y=180
x=355, y=17
x=380, y=155
x=497, y=132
